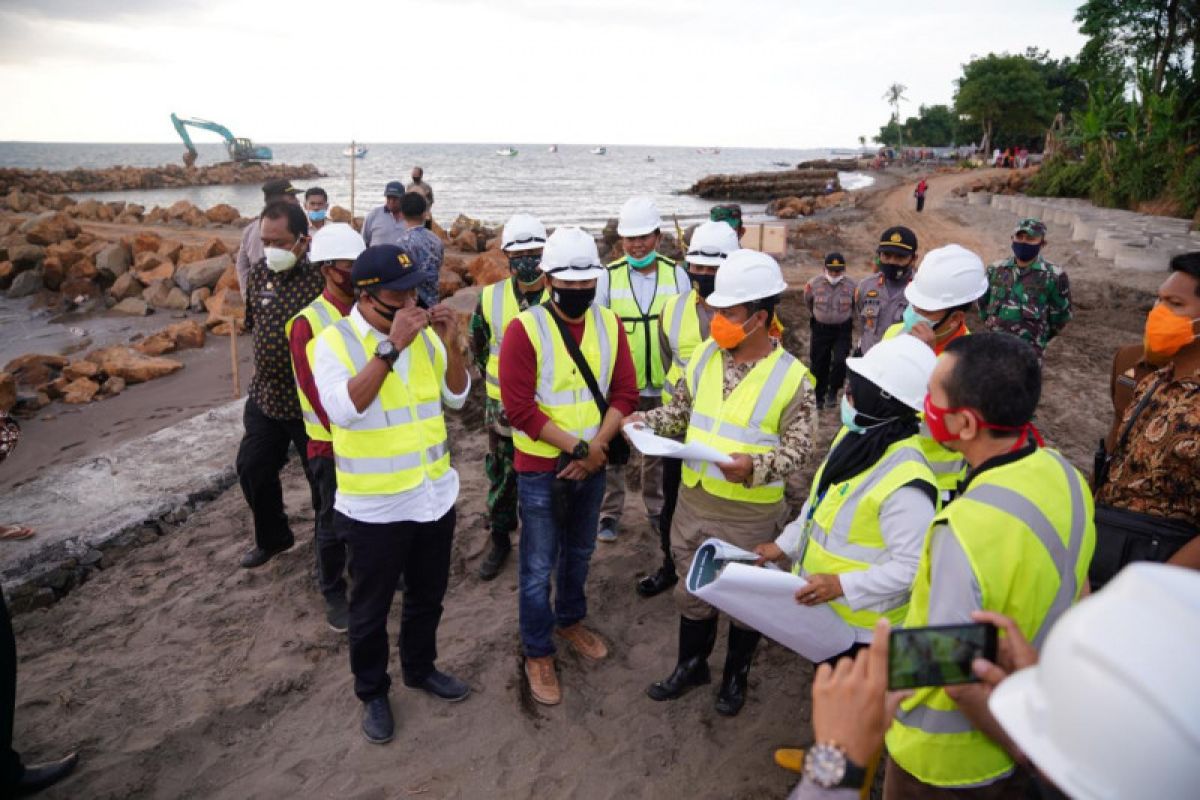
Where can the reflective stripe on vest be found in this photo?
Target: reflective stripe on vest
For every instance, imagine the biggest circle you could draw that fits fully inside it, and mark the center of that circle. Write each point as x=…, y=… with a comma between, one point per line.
x=716, y=420
x=682, y=321
x=641, y=325
x=401, y=439
x=497, y=303
x=949, y=467
x=1005, y=524
x=320, y=314
x=844, y=533
x=561, y=392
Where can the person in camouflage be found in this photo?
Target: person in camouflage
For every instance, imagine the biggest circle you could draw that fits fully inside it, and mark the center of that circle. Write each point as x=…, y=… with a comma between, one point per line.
x=1027, y=296
x=522, y=242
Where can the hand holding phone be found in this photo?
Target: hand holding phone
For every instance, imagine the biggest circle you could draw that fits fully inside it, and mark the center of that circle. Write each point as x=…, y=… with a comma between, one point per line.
x=938, y=655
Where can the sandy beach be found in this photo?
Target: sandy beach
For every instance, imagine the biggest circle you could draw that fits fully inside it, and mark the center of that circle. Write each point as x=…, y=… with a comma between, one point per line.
x=179, y=675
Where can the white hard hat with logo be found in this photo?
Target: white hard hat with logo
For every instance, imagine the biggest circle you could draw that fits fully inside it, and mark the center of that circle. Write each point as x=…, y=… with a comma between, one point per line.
x=336, y=241
x=571, y=255
x=523, y=232
x=711, y=243
x=900, y=367
x=949, y=276
x=639, y=216
x=1112, y=709
x=746, y=276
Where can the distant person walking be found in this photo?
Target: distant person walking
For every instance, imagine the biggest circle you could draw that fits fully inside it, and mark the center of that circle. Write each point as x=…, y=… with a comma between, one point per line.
x=423, y=245
x=385, y=224
x=422, y=188
x=922, y=187
x=250, y=251
x=830, y=300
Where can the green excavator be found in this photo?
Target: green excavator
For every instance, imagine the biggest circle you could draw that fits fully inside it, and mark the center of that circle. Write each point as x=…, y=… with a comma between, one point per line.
x=240, y=149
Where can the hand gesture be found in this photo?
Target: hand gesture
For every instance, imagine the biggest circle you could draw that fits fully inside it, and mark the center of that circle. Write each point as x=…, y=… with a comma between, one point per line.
x=739, y=470
x=445, y=323
x=406, y=325
x=820, y=589
x=768, y=551
x=924, y=332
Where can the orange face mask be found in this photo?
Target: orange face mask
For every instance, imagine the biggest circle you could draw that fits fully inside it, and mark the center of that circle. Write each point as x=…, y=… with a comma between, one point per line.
x=1166, y=334
x=728, y=335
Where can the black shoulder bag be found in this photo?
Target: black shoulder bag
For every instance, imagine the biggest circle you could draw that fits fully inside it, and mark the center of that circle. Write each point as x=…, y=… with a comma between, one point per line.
x=1124, y=536
x=618, y=448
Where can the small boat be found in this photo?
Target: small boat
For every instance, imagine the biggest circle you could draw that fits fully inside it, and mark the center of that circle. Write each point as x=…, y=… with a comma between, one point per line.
x=552, y=148
x=357, y=151
x=709, y=151
x=506, y=151
x=780, y=164
x=649, y=159
x=599, y=151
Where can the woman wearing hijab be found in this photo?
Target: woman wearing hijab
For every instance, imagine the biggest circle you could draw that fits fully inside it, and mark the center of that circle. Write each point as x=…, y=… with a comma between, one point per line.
x=859, y=537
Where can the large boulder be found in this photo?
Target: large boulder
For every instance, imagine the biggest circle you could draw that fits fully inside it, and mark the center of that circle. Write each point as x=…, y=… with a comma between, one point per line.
x=75, y=288
x=165, y=294
x=339, y=214
x=152, y=267
x=34, y=369
x=126, y=286
x=50, y=228
x=133, y=306
x=222, y=214
x=181, y=336
x=201, y=274
x=25, y=284
x=80, y=391
x=82, y=270
x=488, y=267
x=224, y=305
x=114, y=260
x=8, y=391
x=146, y=242
x=80, y=369
x=181, y=209
x=449, y=282
x=170, y=249
x=130, y=365
x=66, y=253
x=198, y=298
x=199, y=252
x=53, y=273
x=26, y=256
x=229, y=280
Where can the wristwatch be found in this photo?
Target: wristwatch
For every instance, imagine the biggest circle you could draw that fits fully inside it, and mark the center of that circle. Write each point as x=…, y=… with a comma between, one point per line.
x=580, y=451
x=386, y=351
x=826, y=765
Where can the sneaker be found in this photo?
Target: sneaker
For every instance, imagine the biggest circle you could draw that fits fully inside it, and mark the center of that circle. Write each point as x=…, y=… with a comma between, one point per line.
x=377, y=723
x=583, y=641
x=337, y=614
x=543, y=680
x=607, y=533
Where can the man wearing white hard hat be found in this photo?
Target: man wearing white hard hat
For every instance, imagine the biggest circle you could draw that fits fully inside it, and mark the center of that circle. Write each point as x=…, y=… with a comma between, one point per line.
x=635, y=288
x=566, y=382
x=1016, y=541
x=522, y=241
x=333, y=250
x=684, y=326
x=946, y=287
x=745, y=396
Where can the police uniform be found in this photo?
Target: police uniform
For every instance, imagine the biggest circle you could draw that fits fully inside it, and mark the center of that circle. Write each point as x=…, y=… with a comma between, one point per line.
x=831, y=323
x=879, y=303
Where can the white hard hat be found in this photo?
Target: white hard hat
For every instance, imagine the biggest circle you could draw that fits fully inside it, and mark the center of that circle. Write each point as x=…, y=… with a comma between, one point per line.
x=711, y=243
x=639, y=216
x=746, y=276
x=948, y=276
x=900, y=366
x=523, y=232
x=571, y=255
x=336, y=241
x=1113, y=707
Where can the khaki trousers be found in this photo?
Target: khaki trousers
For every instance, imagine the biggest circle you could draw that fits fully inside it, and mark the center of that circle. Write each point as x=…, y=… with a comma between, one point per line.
x=652, y=491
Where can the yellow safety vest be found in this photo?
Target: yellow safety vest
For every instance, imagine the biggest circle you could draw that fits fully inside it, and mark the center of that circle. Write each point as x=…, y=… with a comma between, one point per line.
x=949, y=467
x=681, y=321
x=320, y=314
x=641, y=325
x=401, y=439
x=843, y=533
x=561, y=392
x=500, y=307
x=1028, y=531
x=745, y=422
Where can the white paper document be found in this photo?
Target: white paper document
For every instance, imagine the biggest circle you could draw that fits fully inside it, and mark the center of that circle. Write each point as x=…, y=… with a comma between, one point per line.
x=724, y=576
x=648, y=443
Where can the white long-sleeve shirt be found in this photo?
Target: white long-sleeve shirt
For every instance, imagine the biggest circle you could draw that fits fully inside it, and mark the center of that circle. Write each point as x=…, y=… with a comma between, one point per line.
x=904, y=519
x=426, y=503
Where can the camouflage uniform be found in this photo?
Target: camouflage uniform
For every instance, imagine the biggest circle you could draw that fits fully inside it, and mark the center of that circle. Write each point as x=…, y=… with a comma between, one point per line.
x=498, y=463
x=1032, y=302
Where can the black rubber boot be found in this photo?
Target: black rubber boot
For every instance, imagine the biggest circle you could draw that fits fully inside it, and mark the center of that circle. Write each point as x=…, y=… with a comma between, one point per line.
x=696, y=640
x=732, y=694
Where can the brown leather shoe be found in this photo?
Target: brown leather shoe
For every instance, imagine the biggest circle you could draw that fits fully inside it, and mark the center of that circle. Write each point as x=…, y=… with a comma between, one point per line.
x=585, y=642
x=543, y=681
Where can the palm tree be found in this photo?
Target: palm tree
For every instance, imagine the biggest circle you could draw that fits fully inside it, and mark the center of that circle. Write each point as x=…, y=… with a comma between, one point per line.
x=894, y=95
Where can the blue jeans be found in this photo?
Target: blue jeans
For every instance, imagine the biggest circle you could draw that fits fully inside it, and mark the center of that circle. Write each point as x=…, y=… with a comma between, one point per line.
x=545, y=548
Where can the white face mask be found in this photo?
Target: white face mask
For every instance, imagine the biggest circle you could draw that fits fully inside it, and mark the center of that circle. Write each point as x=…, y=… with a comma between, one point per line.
x=278, y=259
x=835, y=277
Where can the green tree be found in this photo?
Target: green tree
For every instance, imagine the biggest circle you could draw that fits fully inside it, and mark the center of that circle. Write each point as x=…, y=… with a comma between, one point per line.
x=894, y=96
x=1006, y=97
x=934, y=126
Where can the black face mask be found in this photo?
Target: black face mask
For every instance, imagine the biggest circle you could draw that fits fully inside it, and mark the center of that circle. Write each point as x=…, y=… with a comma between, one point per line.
x=574, y=303
x=384, y=310
x=894, y=272
x=705, y=284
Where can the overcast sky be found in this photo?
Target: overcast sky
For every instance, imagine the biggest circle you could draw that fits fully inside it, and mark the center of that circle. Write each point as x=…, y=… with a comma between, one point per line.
x=761, y=73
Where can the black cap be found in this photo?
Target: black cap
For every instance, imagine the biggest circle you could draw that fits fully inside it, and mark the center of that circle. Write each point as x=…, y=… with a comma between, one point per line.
x=385, y=266
x=835, y=261
x=899, y=240
x=279, y=187
x=394, y=189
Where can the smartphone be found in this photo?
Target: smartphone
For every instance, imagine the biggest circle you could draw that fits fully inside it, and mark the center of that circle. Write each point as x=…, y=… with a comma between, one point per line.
x=939, y=655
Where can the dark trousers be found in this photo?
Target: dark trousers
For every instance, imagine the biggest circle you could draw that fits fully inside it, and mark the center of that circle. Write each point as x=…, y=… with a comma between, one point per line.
x=379, y=555
x=920, y=203
x=827, y=351
x=329, y=547
x=261, y=455
x=11, y=768
x=672, y=476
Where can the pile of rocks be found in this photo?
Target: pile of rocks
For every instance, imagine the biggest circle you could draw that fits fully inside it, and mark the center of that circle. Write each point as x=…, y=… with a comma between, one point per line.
x=183, y=212
x=168, y=176
x=792, y=207
x=1011, y=182
x=31, y=382
x=764, y=186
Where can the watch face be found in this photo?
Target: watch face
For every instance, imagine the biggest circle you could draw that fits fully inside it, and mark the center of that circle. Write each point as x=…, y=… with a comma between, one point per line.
x=825, y=764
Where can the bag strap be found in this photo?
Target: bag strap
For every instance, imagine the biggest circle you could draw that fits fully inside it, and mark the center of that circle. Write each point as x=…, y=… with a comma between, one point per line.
x=585, y=369
x=1123, y=439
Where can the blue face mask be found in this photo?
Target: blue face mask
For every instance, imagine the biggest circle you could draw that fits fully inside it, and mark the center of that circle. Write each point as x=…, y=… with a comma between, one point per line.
x=912, y=319
x=848, y=417
x=318, y=216
x=1025, y=251
x=642, y=263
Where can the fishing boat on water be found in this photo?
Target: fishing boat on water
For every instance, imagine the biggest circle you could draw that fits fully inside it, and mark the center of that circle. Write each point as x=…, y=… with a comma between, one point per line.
x=599, y=151
x=709, y=151
x=506, y=151
x=552, y=148
x=357, y=151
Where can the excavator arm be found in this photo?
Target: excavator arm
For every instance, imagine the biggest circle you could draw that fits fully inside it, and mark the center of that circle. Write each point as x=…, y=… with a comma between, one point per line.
x=239, y=149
